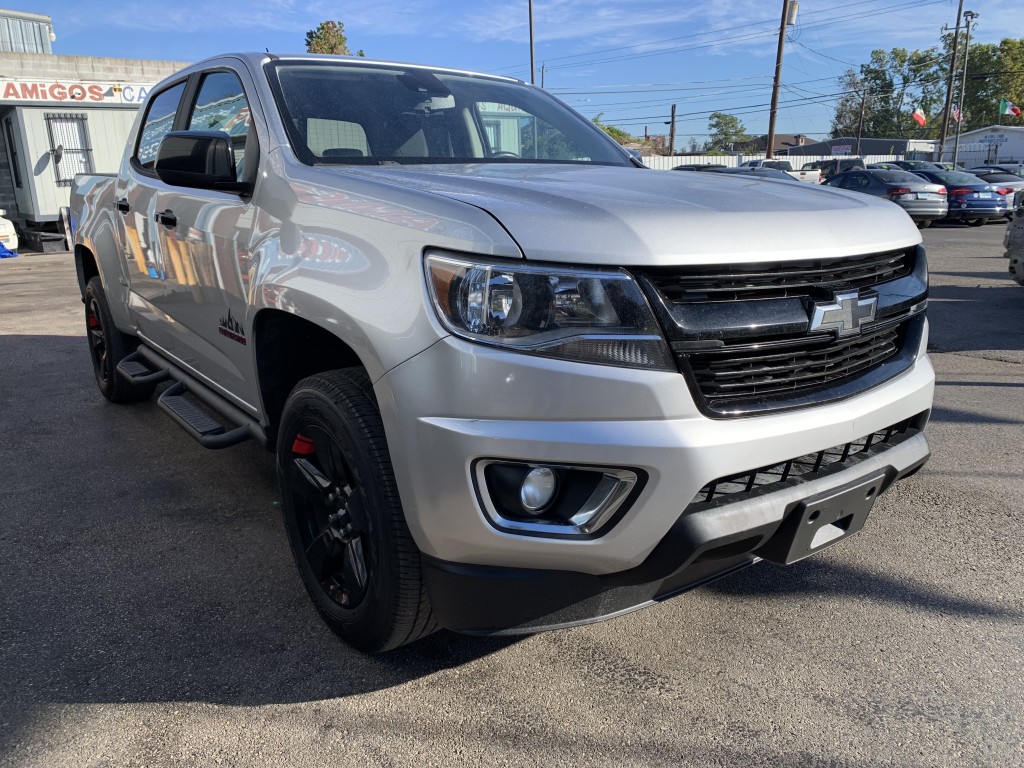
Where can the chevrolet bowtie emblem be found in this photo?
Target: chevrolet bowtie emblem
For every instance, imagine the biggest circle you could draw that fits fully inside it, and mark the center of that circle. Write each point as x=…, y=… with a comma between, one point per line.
x=845, y=314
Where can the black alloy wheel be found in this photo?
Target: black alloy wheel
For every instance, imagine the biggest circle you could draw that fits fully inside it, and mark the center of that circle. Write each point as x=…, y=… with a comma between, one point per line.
x=331, y=521
x=107, y=347
x=343, y=516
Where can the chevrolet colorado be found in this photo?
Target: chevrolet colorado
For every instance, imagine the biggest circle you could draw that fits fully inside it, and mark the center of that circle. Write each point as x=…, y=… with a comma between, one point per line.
x=513, y=380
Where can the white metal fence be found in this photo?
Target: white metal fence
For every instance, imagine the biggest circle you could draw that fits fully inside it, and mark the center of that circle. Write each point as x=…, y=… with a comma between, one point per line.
x=660, y=163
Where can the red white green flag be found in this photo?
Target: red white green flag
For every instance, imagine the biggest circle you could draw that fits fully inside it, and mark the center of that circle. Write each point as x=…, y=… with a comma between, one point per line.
x=918, y=116
x=1008, y=108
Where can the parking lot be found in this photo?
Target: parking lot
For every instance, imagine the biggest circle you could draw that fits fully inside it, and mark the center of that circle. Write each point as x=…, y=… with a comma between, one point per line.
x=150, y=613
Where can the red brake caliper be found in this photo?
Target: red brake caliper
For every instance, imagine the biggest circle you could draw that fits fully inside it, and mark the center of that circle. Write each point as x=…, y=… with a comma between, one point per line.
x=303, y=446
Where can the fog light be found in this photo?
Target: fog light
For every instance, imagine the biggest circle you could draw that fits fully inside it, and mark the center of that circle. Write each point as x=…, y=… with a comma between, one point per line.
x=538, y=490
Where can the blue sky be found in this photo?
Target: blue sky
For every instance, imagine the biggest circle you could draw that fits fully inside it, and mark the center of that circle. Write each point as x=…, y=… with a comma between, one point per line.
x=627, y=60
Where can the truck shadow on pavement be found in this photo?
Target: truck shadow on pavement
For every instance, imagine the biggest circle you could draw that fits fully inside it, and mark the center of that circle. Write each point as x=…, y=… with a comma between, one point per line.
x=138, y=566
x=821, y=576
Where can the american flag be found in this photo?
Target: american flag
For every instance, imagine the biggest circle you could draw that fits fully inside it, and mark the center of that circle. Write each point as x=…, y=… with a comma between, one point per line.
x=957, y=117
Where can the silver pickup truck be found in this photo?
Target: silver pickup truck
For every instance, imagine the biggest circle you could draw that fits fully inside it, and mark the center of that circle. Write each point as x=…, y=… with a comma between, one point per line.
x=513, y=381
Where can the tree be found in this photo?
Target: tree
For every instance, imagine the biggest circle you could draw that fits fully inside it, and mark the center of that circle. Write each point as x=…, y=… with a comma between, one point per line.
x=887, y=88
x=329, y=37
x=724, y=131
x=994, y=72
x=618, y=134
x=882, y=95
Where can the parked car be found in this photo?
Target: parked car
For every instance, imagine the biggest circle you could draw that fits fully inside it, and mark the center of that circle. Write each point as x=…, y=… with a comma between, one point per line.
x=808, y=175
x=1017, y=169
x=8, y=234
x=513, y=381
x=1007, y=181
x=883, y=167
x=760, y=173
x=830, y=168
x=699, y=167
x=914, y=165
x=1013, y=241
x=924, y=201
x=950, y=166
x=971, y=199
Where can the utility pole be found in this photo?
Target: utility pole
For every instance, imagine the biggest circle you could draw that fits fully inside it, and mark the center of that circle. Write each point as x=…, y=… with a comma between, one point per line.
x=860, y=122
x=968, y=18
x=533, y=68
x=949, y=83
x=542, y=68
x=789, y=9
x=672, y=133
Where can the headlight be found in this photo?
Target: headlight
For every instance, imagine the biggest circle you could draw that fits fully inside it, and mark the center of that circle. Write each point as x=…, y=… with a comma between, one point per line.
x=587, y=315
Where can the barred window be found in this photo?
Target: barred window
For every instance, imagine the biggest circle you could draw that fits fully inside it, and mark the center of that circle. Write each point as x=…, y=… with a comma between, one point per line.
x=69, y=146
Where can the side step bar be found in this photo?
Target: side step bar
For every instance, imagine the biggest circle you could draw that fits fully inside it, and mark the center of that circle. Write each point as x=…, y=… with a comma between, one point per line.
x=146, y=366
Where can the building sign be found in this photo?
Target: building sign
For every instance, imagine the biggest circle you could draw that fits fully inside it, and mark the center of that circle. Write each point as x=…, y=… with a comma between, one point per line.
x=506, y=110
x=993, y=138
x=72, y=92
x=842, y=149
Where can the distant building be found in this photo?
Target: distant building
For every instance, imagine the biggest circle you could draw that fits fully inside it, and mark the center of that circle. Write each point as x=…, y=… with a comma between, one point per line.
x=988, y=145
x=784, y=142
x=911, y=149
x=25, y=32
x=60, y=115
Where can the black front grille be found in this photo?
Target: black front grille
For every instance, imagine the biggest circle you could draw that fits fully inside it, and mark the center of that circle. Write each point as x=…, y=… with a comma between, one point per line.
x=725, y=490
x=736, y=282
x=742, y=337
x=754, y=371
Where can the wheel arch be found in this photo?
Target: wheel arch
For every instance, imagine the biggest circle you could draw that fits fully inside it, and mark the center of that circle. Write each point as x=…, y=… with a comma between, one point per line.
x=288, y=348
x=86, y=267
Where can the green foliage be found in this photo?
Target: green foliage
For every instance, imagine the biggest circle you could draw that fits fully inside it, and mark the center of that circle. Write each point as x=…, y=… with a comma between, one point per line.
x=994, y=72
x=725, y=131
x=618, y=134
x=329, y=37
x=885, y=92
x=887, y=88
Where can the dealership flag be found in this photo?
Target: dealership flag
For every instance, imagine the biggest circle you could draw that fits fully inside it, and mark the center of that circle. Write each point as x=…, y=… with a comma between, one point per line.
x=919, y=116
x=1008, y=108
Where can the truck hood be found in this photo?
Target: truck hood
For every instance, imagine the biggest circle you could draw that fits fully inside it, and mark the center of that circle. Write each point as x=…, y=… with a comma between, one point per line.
x=630, y=216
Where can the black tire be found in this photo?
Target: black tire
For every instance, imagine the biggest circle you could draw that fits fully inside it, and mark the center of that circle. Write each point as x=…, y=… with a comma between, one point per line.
x=107, y=347
x=343, y=516
x=976, y=222
x=923, y=224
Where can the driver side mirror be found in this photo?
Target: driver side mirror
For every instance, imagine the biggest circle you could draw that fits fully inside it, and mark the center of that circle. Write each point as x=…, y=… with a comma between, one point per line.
x=198, y=159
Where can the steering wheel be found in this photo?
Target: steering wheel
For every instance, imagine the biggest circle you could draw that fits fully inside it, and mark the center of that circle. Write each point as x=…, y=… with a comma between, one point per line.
x=505, y=154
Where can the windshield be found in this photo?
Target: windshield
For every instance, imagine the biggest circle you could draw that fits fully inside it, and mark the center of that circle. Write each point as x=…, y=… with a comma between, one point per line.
x=345, y=113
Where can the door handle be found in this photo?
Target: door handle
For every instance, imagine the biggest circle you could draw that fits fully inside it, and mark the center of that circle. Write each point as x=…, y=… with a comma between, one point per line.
x=167, y=218
x=122, y=205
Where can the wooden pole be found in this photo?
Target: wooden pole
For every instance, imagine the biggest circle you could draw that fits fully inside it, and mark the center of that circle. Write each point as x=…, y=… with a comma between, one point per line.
x=672, y=133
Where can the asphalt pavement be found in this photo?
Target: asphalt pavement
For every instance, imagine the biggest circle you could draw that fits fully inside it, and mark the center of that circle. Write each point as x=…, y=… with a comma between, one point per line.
x=150, y=613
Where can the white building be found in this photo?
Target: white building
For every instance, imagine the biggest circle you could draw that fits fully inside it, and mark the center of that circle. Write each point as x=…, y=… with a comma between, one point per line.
x=992, y=144
x=60, y=115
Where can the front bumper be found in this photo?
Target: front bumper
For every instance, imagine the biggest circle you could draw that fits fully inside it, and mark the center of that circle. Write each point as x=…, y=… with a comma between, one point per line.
x=700, y=547
x=549, y=411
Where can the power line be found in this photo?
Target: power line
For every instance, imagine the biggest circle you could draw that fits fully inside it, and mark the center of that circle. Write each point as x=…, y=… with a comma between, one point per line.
x=734, y=39
x=731, y=28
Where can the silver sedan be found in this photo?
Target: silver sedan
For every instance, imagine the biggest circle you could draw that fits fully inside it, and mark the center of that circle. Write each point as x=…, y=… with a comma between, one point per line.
x=923, y=200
